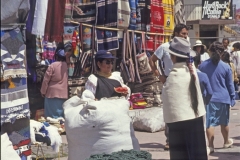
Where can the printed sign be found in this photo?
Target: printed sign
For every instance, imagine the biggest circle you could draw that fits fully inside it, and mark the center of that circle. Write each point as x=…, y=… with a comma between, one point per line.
x=217, y=9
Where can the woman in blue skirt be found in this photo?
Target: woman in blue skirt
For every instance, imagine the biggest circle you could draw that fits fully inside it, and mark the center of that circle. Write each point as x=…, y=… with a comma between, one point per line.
x=220, y=76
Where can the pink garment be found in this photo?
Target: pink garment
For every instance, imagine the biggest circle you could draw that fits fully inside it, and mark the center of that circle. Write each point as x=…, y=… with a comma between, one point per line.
x=55, y=81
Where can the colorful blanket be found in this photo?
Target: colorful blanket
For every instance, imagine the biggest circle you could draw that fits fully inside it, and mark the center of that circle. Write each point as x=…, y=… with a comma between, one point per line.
x=107, y=40
x=133, y=14
x=13, y=53
x=123, y=14
x=168, y=16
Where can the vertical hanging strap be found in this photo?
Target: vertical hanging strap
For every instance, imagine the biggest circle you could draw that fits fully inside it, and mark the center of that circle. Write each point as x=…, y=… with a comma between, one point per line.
x=130, y=61
x=93, y=51
x=137, y=76
x=124, y=69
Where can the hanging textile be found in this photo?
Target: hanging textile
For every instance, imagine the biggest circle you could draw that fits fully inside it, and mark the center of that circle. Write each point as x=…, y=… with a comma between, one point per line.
x=141, y=15
x=49, y=49
x=40, y=16
x=54, y=22
x=87, y=38
x=123, y=14
x=68, y=11
x=84, y=11
x=133, y=14
x=107, y=39
x=168, y=17
x=13, y=54
x=13, y=12
x=179, y=12
x=30, y=18
x=156, y=25
x=39, y=44
x=69, y=28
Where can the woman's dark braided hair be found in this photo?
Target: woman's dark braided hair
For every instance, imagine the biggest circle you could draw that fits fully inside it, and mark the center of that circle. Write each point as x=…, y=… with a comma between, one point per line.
x=216, y=49
x=192, y=85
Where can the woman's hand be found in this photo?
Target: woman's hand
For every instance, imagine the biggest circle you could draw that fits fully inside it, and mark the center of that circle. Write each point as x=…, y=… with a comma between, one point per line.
x=43, y=95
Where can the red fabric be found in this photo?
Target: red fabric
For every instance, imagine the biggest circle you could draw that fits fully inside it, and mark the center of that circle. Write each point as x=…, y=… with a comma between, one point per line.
x=54, y=21
x=156, y=25
x=74, y=40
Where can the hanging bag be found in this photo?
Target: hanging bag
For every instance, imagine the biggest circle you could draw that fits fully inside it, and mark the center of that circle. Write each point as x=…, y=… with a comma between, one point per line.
x=129, y=61
x=123, y=66
x=142, y=58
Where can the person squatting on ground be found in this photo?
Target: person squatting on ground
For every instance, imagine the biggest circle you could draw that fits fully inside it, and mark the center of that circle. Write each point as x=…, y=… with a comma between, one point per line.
x=165, y=62
x=220, y=77
x=183, y=106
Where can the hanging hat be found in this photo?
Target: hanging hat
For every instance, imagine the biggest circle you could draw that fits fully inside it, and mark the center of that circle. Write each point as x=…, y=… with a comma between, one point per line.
x=104, y=54
x=180, y=47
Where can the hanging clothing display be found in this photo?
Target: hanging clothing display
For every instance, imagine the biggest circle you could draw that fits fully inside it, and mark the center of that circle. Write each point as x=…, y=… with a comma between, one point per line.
x=54, y=22
x=17, y=13
x=49, y=49
x=123, y=14
x=39, y=44
x=40, y=16
x=107, y=39
x=84, y=11
x=13, y=54
x=168, y=16
x=156, y=25
x=29, y=23
x=68, y=11
x=179, y=12
x=141, y=15
x=133, y=14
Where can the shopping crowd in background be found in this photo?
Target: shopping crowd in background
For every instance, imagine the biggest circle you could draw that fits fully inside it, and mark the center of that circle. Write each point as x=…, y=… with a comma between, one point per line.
x=199, y=88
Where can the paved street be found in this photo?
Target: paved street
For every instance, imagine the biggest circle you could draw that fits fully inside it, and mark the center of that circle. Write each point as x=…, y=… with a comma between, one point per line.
x=154, y=142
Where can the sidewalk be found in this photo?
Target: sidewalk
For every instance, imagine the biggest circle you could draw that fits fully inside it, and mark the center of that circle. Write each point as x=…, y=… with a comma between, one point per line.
x=154, y=142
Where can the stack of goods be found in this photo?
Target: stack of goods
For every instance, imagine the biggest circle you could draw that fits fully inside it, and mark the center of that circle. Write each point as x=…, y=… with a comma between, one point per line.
x=123, y=155
x=57, y=123
x=137, y=101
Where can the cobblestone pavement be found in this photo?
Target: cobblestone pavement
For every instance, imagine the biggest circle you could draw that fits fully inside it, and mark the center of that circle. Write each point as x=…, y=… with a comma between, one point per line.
x=154, y=142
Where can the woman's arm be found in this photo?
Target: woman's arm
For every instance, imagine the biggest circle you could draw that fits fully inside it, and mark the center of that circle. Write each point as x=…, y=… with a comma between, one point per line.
x=230, y=86
x=46, y=80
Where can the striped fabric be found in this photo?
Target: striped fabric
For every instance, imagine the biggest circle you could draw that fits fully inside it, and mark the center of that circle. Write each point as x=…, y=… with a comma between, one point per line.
x=39, y=44
x=133, y=14
x=84, y=11
x=168, y=16
x=49, y=49
x=87, y=38
x=68, y=11
x=107, y=40
x=68, y=29
x=123, y=14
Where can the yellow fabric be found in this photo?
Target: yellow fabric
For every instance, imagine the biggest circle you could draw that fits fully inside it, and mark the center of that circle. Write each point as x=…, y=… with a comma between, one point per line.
x=140, y=103
x=11, y=84
x=168, y=9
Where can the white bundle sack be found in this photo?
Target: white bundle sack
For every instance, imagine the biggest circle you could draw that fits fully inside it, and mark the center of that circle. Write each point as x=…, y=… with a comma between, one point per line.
x=98, y=127
x=149, y=120
x=7, y=151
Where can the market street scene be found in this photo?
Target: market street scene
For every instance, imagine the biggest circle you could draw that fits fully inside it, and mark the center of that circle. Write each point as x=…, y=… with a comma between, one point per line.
x=120, y=79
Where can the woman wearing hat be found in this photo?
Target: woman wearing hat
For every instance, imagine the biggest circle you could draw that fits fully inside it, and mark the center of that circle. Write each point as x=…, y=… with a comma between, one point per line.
x=102, y=83
x=220, y=77
x=199, y=48
x=54, y=85
x=183, y=106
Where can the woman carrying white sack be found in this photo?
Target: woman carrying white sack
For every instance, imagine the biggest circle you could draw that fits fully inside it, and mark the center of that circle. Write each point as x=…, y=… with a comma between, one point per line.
x=183, y=107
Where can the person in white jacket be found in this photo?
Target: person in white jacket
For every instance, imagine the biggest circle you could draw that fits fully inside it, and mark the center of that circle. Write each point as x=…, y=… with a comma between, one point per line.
x=183, y=106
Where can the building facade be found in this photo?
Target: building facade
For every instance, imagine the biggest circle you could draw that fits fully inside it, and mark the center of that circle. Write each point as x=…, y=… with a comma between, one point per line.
x=208, y=20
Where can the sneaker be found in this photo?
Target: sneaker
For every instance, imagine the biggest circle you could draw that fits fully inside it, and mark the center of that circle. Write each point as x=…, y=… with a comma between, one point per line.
x=166, y=147
x=229, y=144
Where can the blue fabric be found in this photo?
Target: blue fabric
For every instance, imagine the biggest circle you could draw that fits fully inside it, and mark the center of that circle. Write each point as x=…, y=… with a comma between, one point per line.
x=53, y=107
x=217, y=114
x=133, y=14
x=220, y=77
x=205, y=87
